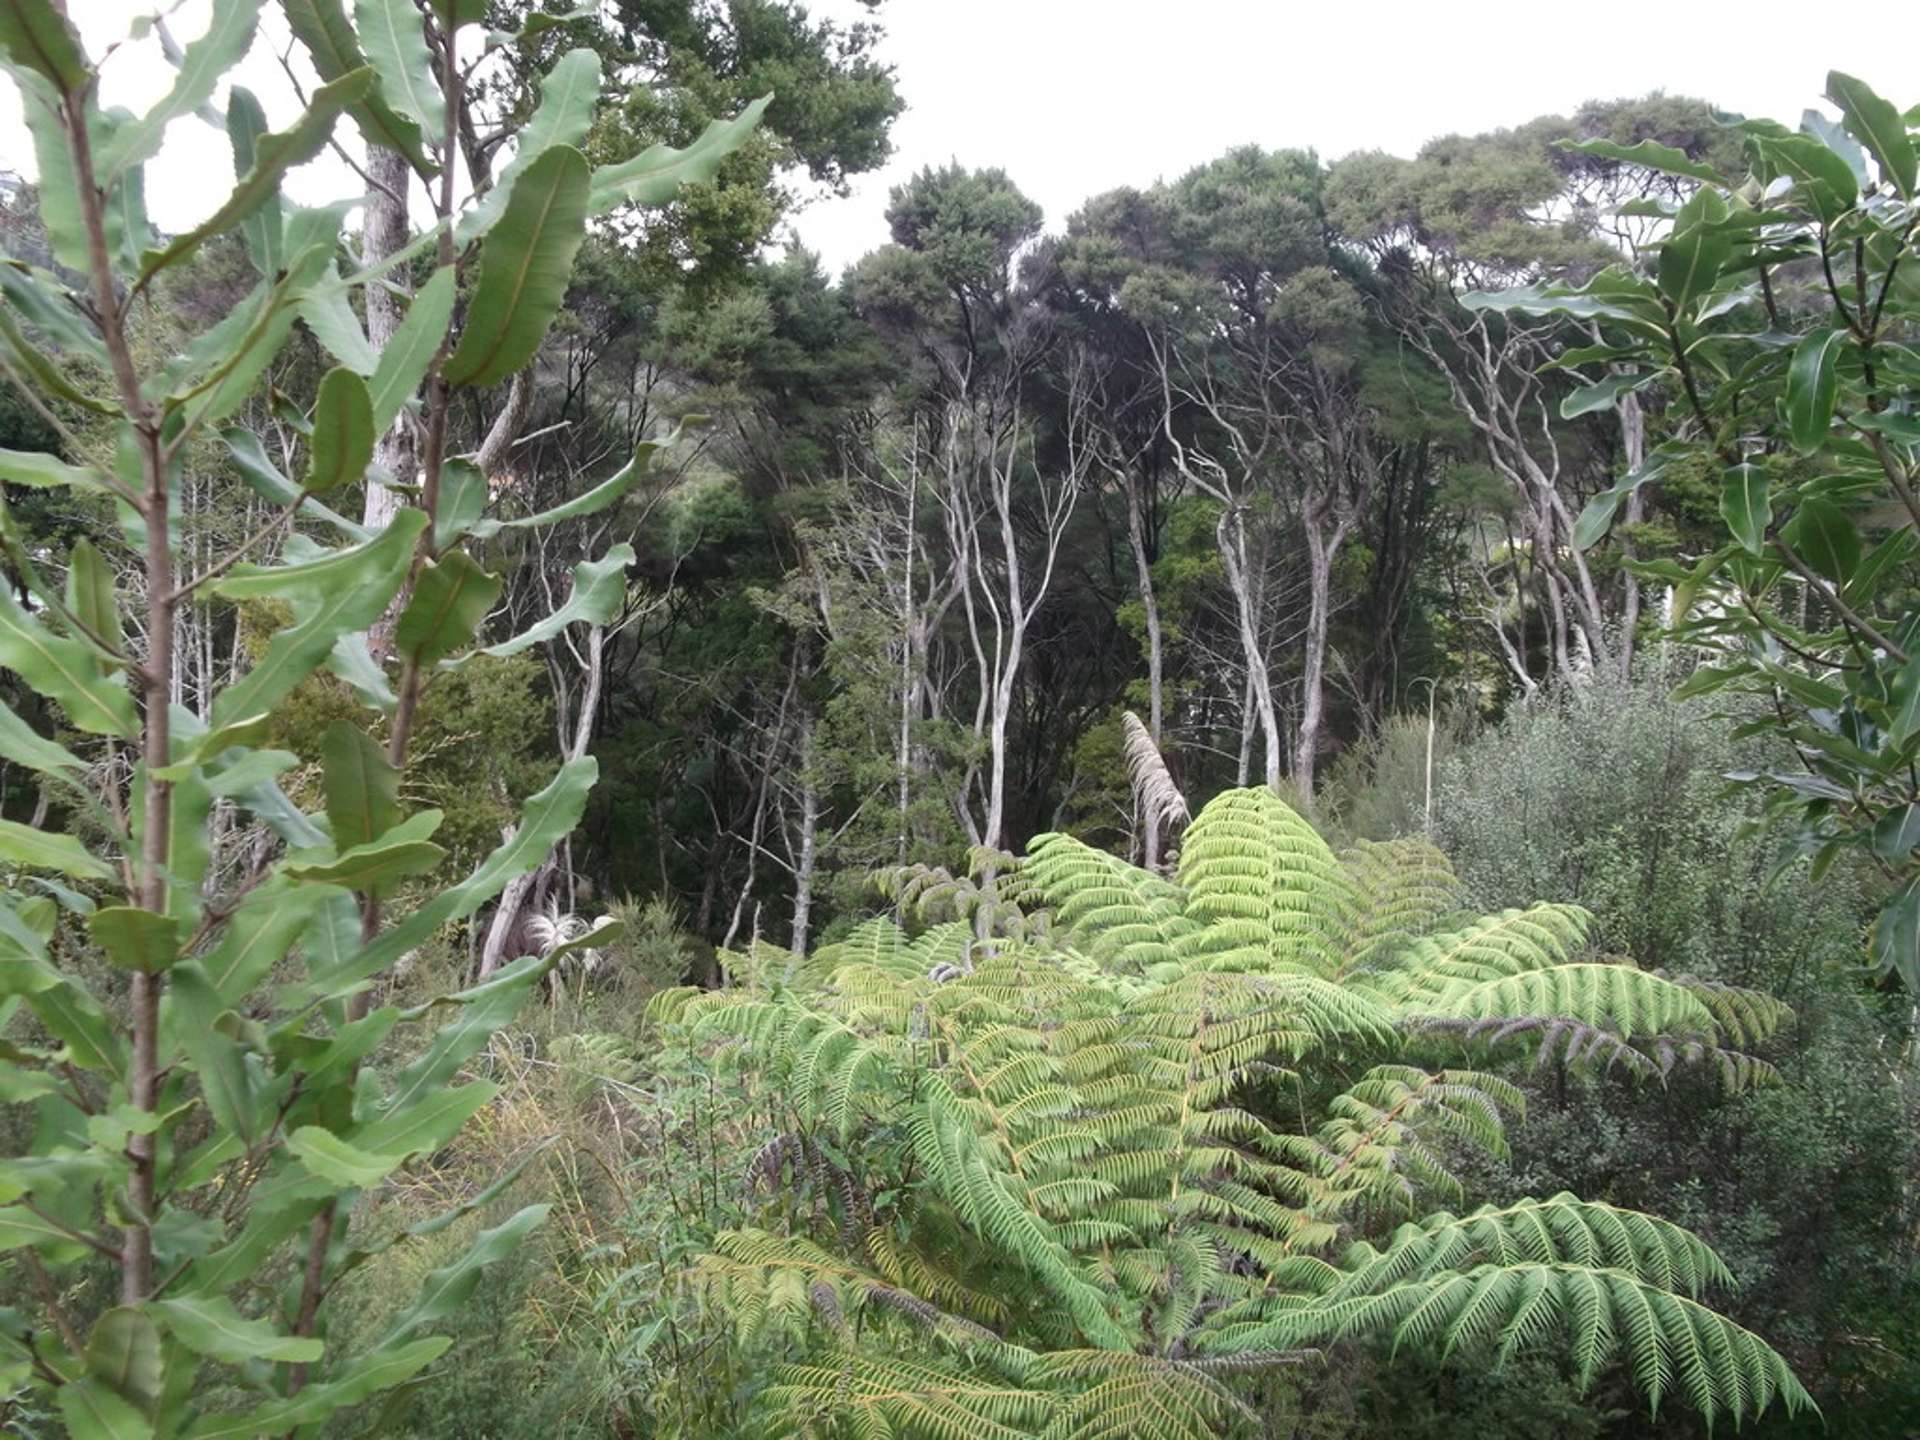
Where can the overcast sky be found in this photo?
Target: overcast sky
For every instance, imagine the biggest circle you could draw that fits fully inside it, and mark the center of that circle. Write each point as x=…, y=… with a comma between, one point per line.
x=1073, y=97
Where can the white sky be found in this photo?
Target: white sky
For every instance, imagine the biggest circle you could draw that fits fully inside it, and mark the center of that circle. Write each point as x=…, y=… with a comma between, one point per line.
x=1073, y=97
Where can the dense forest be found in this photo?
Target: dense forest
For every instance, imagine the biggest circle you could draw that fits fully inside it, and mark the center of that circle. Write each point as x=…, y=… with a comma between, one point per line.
x=1287, y=805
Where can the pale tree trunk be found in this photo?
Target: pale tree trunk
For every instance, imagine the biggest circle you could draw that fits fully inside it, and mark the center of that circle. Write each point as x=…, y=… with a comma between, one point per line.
x=807, y=850
x=394, y=455
x=1322, y=547
x=1232, y=536
x=520, y=892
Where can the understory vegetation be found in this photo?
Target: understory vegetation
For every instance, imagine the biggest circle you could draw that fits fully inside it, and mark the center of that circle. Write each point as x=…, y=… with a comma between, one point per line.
x=1288, y=805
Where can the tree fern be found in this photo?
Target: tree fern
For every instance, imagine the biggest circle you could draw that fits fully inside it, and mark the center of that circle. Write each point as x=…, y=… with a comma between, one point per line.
x=1059, y=1182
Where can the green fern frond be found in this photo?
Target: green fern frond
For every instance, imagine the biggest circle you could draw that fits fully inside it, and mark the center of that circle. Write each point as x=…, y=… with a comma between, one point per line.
x=1614, y=997
x=1124, y=916
x=1562, y=1228
x=1586, y=1048
x=1669, y=1342
x=1403, y=889
x=1264, y=887
x=1743, y=1017
x=885, y=1395
x=1377, y=1144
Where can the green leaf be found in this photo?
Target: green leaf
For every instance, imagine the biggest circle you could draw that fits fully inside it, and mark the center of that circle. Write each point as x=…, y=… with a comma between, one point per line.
x=1896, y=937
x=20, y=744
x=1825, y=538
x=396, y=43
x=246, y=125
x=1601, y=395
x=323, y=28
x=250, y=344
x=343, y=432
x=91, y=598
x=1650, y=155
x=372, y=868
x=265, y=479
x=351, y=662
x=357, y=595
x=1822, y=176
x=449, y=1287
x=607, y=493
x=36, y=35
x=51, y=377
x=546, y=817
x=209, y=1325
x=329, y=315
x=599, y=591
x=409, y=353
x=1743, y=504
x=483, y=1010
x=40, y=471
x=463, y=496
x=1694, y=254
x=568, y=94
x=421, y=1126
x=525, y=263
x=1897, y=833
x=93, y=1412
x=186, y=850
x=1878, y=126
x=49, y=850
x=20, y=1227
x=72, y=1017
x=258, y=934
x=273, y=156
x=381, y=1370
x=123, y=1353
x=134, y=939
x=362, y=785
x=1812, y=382
x=228, y=36
x=540, y=22
x=450, y=599
x=1834, y=136
x=332, y=1159
x=654, y=175
x=225, y=1084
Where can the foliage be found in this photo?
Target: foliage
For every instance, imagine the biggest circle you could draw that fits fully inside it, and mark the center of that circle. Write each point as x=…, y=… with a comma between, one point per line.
x=1054, y=1178
x=196, y=1043
x=1609, y=795
x=1776, y=304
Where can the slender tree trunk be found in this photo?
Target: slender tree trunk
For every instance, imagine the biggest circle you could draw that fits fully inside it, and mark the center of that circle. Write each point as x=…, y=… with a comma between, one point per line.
x=1232, y=537
x=909, y=626
x=1322, y=547
x=156, y=679
x=807, y=851
x=385, y=236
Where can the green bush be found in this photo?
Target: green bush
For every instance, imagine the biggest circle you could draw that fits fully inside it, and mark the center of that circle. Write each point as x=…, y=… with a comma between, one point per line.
x=1610, y=795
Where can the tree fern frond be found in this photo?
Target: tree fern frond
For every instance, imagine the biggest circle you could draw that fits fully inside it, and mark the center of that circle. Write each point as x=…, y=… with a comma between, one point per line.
x=1125, y=916
x=1664, y=1338
x=1561, y=1228
x=1618, y=998
x=1403, y=890
x=942, y=1401
x=1263, y=885
x=1583, y=1047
